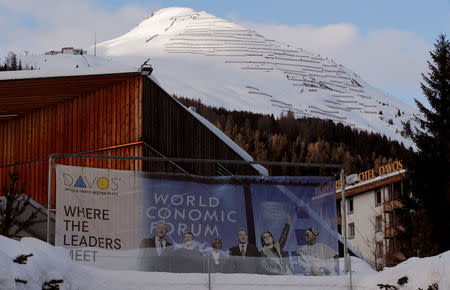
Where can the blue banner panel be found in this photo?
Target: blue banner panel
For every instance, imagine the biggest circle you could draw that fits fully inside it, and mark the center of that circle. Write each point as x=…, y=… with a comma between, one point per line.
x=206, y=209
x=300, y=215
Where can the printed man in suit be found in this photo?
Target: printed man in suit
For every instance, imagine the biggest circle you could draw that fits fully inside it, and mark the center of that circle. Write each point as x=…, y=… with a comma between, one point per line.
x=156, y=250
x=244, y=256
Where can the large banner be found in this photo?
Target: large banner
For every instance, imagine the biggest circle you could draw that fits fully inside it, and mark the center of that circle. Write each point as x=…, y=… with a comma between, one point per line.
x=109, y=218
x=131, y=220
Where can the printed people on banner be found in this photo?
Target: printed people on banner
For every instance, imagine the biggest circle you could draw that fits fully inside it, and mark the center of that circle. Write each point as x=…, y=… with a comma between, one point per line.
x=188, y=257
x=244, y=249
x=316, y=259
x=188, y=248
x=272, y=252
x=158, y=242
x=156, y=250
x=218, y=261
x=243, y=255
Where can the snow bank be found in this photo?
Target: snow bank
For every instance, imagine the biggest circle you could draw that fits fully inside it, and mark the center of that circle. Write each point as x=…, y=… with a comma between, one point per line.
x=49, y=262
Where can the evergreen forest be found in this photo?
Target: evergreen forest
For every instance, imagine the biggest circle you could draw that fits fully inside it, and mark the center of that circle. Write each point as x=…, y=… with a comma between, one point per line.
x=302, y=140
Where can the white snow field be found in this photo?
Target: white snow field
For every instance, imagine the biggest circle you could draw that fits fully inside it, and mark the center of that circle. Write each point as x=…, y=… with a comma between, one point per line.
x=198, y=55
x=49, y=262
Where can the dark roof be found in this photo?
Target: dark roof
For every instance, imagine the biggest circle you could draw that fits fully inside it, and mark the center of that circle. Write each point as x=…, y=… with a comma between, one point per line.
x=32, y=91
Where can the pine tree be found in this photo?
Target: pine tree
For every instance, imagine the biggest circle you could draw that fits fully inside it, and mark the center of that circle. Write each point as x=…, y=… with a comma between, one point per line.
x=429, y=169
x=421, y=241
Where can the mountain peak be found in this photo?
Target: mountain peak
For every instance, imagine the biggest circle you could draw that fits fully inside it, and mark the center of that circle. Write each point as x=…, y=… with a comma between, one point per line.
x=169, y=14
x=173, y=11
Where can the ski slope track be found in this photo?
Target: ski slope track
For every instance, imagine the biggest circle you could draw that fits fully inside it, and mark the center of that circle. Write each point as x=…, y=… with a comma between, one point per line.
x=197, y=55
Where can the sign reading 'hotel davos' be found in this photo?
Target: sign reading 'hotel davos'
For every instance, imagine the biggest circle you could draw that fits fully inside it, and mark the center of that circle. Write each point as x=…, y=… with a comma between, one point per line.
x=375, y=172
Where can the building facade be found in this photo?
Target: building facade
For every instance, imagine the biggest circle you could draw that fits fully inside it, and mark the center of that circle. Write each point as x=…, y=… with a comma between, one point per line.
x=375, y=213
x=123, y=113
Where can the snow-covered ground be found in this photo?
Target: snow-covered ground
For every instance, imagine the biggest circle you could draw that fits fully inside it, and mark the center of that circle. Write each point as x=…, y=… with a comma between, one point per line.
x=49, y=262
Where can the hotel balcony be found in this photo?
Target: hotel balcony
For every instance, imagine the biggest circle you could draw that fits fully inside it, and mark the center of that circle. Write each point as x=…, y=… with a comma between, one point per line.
x=399, y=255
x=392, y=259
x=391, y=205
x=391, y=232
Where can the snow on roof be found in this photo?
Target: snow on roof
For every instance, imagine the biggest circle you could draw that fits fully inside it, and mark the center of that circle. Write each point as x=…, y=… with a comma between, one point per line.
x=35, y=74
x=241, y=152
x=378, y=178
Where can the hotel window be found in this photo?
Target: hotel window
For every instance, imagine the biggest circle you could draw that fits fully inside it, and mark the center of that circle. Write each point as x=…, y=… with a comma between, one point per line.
x=389, y=192
x=351, y=230
x=379, y=249
x=350, y=205
x=378, y=223
x=390, y=245
x=389, y=220
x=378, y=198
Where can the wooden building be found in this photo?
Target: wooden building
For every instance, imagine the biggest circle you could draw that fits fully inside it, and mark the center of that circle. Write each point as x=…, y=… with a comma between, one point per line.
x=121, y=113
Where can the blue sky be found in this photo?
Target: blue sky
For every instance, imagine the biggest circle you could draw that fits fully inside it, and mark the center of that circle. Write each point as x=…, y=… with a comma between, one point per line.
x=386, y=42
x=427, y=18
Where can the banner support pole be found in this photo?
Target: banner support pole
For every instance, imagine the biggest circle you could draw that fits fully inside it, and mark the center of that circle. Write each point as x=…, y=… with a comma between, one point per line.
x=49, y=195
x=209, y=272
x=347, y=265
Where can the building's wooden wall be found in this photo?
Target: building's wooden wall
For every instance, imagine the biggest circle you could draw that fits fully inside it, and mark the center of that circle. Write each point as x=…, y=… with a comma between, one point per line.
x=171, y=129
x=134, y=117
x=93, y=122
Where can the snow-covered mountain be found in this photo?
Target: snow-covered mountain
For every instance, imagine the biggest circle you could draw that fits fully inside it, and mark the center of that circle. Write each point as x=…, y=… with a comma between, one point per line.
x=197, y=55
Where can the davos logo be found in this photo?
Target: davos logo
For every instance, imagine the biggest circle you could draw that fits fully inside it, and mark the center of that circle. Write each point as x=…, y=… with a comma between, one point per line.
x=102, y=183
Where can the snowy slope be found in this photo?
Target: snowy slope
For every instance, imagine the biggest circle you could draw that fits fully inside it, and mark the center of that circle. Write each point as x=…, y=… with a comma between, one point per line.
x=67, y=62
x=198, y=55
x=50, y=262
